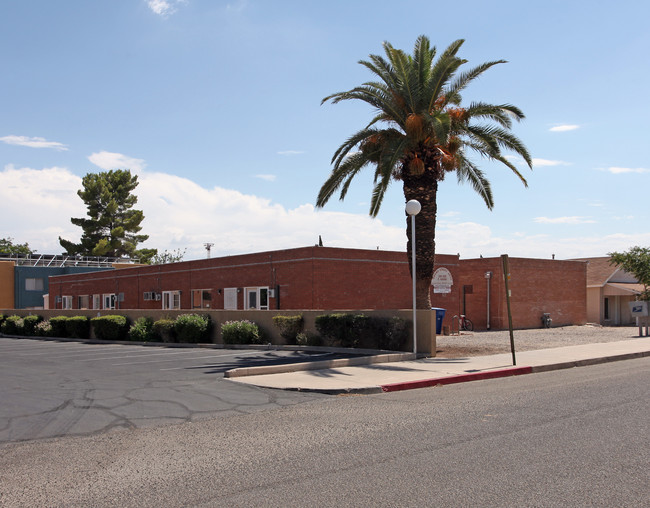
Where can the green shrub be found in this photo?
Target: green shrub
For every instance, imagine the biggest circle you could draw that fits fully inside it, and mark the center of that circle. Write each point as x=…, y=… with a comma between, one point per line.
x=142, y=330
x=43, y=329
x=78, y=327
x=163, y=329
x=110, y=327
x=192, y=328
x=390, y=332
x=290, y=327
x=241, y=332
x=340, y=330
x=13, y=325
x=30, y=323
x=58, y=326
x=355, y=330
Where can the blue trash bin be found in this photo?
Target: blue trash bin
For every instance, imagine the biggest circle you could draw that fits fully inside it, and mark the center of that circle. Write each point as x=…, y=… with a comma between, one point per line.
x=440, y=315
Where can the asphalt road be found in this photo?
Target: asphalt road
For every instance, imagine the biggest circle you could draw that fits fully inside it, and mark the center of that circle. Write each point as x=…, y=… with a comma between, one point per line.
x=576, y=437
x=54, y=388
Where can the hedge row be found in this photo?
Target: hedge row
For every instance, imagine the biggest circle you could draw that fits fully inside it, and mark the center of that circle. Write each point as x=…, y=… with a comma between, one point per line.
x=334, y=330
x=185, y=328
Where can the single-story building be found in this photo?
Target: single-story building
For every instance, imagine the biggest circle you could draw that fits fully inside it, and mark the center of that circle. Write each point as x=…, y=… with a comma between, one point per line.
x=24, y=278
x=327, y=278
x=609, y=291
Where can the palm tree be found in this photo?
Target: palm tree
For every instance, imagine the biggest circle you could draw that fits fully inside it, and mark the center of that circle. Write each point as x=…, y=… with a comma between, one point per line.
x=420, y=133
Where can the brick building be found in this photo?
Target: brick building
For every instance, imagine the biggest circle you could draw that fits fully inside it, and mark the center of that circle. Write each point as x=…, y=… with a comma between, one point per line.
x=325, y=278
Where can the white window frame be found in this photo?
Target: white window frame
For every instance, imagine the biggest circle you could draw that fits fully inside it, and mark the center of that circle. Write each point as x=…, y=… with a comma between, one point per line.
x=66, y=302
x=171, y=300
x=109, y=300
x=97, y=302
x=260, y=294
x=34, y=284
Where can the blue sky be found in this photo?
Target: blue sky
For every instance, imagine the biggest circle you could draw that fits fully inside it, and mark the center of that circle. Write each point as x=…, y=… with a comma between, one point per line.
x=216, y=106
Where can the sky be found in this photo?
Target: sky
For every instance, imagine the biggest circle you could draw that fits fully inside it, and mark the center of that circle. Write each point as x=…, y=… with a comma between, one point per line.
x=216, y=106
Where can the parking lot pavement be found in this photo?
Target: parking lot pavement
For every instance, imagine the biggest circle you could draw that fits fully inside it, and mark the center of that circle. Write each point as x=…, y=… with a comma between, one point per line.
x=52, y=388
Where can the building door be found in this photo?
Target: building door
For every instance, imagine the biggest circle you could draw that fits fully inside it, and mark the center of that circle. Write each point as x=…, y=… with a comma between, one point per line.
x=256, y=298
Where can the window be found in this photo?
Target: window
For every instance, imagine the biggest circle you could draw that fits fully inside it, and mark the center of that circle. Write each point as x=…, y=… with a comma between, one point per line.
x=230, y=299
x=84, y=302
x=109, y=301
x=33, y=284
x=606, y=309
x=66, y=302
x=257, y=298
x=97, y=300
x=201, y=298
x=171, y=300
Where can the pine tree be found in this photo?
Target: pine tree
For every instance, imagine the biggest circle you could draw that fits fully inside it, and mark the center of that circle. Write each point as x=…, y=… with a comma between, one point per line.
x=112, y=225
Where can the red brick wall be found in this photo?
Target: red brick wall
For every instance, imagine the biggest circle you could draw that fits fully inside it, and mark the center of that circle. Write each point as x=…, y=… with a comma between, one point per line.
x=308, y=278
x=537, y=286
x=326, y=278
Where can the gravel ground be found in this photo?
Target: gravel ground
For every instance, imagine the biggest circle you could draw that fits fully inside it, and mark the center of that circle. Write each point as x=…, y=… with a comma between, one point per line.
x=494, y=342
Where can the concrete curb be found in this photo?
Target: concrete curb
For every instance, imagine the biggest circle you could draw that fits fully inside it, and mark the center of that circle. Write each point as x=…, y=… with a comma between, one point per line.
x=458, y=378
x=513, y=371
x=319, y=365
x=590, y=361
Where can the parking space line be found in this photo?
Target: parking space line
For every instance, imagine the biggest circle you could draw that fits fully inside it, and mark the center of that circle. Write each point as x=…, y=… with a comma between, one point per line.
x=183, y=359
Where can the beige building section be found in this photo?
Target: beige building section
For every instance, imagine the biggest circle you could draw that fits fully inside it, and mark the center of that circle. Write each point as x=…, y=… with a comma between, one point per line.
x=609, y=291
x=7, y=284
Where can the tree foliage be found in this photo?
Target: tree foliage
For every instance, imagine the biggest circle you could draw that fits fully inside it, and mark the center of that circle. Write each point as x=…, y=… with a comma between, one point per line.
x=162, y=258
x=112, y=226
x=7, y=246
x=637, y=262
x=421, y=132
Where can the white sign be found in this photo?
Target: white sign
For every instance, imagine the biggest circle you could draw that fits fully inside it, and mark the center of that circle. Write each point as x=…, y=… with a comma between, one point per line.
x=442, y=281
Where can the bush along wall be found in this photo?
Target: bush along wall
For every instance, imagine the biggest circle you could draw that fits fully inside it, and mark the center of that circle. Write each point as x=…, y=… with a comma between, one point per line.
x=77, y=327
x=142, y=330
x=290, y=327
x=13, y=325
x=358, y=330
x=192, y=328
x=110, y=327
x=241, y=332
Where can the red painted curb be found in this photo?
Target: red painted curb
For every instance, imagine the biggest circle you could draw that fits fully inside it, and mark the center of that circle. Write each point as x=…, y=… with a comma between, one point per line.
x=461, y=378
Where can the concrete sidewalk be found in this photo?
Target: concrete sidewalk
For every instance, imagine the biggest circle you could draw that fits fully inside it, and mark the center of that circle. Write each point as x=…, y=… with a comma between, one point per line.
x=408, y=373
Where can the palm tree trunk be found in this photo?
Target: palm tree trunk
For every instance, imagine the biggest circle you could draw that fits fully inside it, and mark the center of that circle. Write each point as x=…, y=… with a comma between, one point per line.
x=424, y=188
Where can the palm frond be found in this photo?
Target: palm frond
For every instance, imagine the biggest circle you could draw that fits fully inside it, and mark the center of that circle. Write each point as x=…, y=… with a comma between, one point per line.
x=464, y=78
x=468, y=172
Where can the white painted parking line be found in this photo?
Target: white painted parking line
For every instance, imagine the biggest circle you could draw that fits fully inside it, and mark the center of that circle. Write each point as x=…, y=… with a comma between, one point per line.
x=183, y=359
x=145, y=353
x=220, y=356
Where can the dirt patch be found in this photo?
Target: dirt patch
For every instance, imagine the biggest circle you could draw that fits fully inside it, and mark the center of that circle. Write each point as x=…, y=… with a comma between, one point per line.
x=496, y=342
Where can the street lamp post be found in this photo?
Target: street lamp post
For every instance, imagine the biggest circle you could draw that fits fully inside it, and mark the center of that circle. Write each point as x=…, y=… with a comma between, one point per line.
x=413, y=207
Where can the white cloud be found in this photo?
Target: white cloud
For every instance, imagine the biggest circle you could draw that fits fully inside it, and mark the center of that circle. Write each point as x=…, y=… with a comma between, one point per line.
x=111, y=160
x=40, y=204
x=546, y=162
x=564, y=220
x=290, y=152
x=268, y=178
x=180, y=214
x=617, y=170
x=564, y=128
x=160, y=7
x=33, y=142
